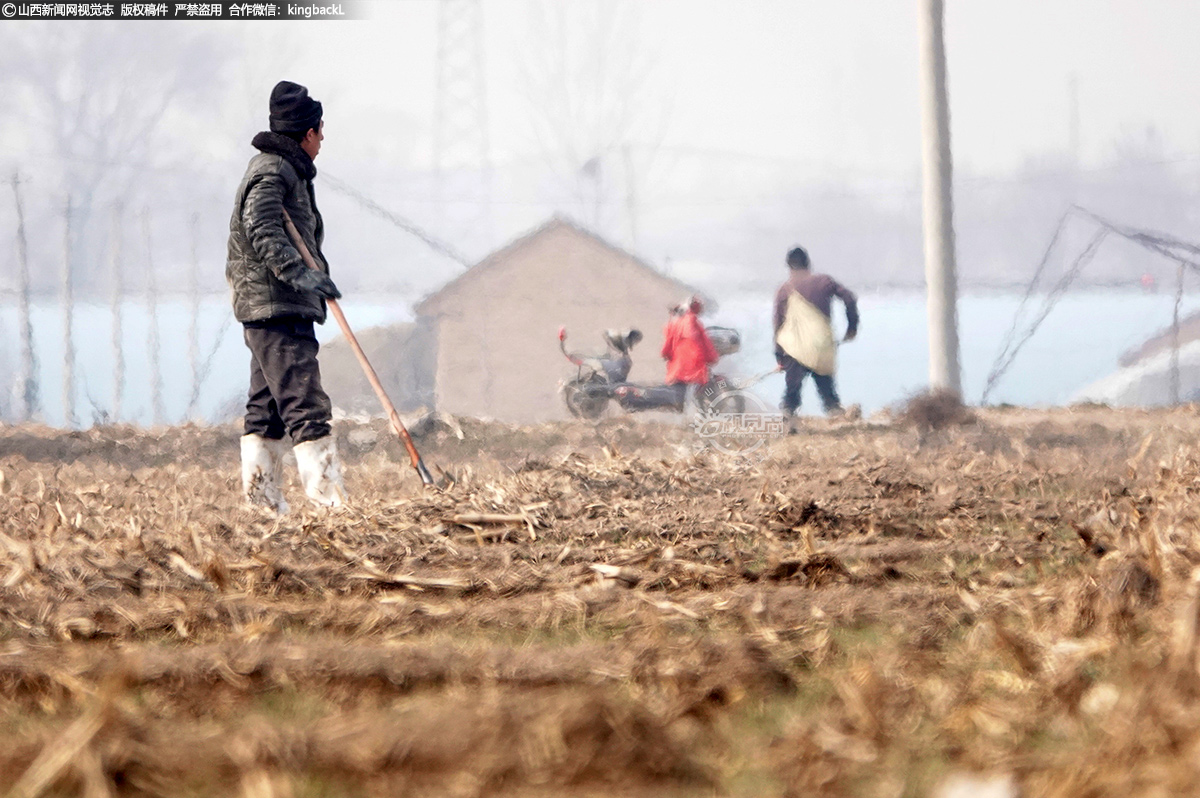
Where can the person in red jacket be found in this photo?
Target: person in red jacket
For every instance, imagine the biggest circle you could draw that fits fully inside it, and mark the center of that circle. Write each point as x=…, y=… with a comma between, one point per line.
x=686, y=346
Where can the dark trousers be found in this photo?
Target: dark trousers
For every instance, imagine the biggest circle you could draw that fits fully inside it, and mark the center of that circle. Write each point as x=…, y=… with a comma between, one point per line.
x=794, y=373
x=285, y=382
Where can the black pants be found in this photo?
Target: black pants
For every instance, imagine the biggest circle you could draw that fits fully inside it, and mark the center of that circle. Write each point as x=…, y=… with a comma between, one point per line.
x=285, y=382
x=793, y=376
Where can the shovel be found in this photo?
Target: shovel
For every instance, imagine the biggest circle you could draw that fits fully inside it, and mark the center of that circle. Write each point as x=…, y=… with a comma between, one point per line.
x=749, y=381
x=372, y=377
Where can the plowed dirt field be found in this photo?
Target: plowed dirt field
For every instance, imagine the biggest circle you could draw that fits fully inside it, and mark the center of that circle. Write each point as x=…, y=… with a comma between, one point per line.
x=874, y=609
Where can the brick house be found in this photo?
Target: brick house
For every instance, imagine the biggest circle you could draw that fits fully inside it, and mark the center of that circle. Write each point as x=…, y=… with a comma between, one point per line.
x=487, y=341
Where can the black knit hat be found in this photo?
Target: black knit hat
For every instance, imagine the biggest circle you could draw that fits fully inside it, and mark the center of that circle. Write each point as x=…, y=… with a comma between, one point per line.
x=292, y=110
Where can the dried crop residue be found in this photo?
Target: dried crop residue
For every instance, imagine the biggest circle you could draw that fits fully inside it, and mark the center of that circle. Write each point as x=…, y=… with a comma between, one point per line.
x=601, y=610
x=936, y=409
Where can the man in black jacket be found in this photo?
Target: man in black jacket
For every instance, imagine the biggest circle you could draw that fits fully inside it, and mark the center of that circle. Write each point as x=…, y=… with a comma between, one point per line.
x=277, y=298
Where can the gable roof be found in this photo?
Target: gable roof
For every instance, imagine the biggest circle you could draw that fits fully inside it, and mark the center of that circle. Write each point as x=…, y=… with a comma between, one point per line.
x=1189, y=330
x=430, y=303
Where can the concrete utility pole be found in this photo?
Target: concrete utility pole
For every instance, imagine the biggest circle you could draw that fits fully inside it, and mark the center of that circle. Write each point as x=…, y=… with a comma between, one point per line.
x=941, y=283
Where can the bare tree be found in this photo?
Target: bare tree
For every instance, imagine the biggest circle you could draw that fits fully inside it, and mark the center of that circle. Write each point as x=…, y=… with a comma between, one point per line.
x=194, y=301
x=68, y=311
x=118, y=298
x=589, y=83
x=153, y=342
x=93, y=100
x=27, y=379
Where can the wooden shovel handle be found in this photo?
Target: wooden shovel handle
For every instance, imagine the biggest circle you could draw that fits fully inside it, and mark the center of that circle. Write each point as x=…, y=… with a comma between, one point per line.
x=372, y=377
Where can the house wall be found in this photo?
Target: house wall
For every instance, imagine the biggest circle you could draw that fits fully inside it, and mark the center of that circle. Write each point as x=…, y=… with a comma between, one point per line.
x=422, y=350
x=404, y=358
x=387, y=349
x=497, y=345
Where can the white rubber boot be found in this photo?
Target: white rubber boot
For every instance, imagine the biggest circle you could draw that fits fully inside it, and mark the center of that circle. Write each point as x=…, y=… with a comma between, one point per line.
x=262, y=472
x=321, y=471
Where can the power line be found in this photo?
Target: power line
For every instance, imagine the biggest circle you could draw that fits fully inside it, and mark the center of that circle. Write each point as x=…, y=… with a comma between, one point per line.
x=1184, y=253
x=434, y=243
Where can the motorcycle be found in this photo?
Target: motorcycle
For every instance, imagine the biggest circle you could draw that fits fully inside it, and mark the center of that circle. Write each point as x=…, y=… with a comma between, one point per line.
x=602, y=378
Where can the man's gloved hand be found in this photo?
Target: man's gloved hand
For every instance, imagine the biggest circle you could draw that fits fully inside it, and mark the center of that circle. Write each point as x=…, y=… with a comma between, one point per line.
x=318, y=283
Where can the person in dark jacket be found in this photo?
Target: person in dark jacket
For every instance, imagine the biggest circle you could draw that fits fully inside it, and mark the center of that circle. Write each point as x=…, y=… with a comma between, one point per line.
x=804, y=341
x=277, y=298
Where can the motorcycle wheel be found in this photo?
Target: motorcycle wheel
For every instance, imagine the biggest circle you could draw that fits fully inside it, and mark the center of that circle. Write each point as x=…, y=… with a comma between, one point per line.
x=729, y=403
x=581, y=404
x=719, y=396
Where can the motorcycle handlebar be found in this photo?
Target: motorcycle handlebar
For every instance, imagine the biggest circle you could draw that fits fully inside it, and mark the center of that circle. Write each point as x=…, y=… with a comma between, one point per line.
x=562, y=345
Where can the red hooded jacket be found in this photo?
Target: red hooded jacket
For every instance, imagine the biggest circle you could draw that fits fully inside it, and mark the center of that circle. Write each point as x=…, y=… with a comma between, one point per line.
x=688, y=350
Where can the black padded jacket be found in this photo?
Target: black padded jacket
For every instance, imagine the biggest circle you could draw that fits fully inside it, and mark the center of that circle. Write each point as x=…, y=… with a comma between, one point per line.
x=262, y=262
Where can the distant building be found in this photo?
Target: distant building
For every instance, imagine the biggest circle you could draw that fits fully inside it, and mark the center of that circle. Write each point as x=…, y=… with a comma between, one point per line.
x=1162, y=341
x=1146, y=378
x=400, y=365
x=486, y=344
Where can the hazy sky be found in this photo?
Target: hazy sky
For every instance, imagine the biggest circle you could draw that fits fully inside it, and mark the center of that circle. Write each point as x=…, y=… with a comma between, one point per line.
x=830, y=84
x=761, y=114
